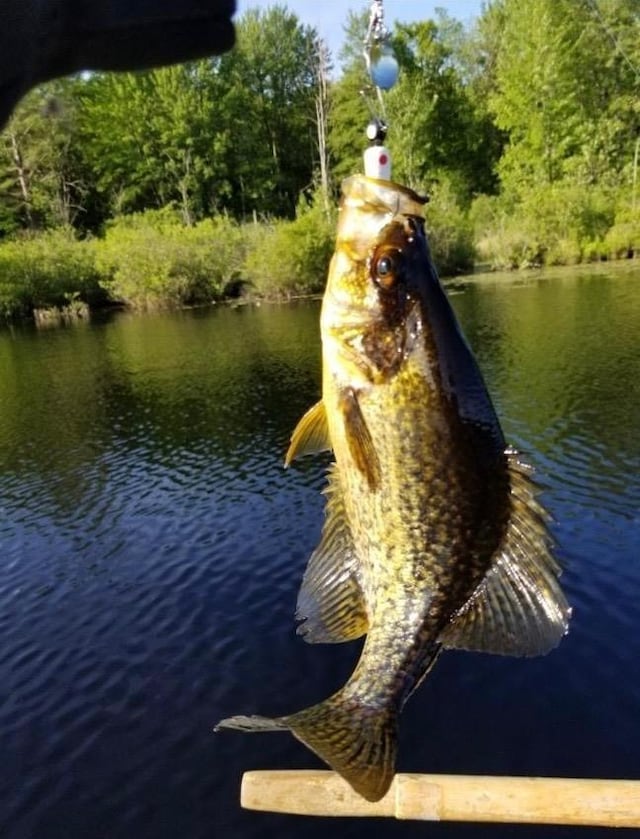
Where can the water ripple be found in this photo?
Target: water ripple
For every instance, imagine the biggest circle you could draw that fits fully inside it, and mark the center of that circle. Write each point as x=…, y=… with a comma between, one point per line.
x=153, y=546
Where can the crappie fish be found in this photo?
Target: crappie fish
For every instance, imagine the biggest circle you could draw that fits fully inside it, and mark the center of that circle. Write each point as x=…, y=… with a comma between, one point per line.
x=433, y=537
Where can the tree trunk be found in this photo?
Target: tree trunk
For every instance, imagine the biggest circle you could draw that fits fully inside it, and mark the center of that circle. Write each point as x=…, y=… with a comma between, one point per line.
x=22, y=176
x=187, y=217
x=635, y=174
x=322, y=101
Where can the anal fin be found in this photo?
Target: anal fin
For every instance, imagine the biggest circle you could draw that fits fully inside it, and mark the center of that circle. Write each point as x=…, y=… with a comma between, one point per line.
x=519, y=608
x=330, y=605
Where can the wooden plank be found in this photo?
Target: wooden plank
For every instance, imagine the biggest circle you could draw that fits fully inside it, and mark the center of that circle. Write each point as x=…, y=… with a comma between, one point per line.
x=472, y=798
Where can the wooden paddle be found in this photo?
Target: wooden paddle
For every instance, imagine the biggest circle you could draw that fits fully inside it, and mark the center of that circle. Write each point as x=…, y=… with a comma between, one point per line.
x=472, y=798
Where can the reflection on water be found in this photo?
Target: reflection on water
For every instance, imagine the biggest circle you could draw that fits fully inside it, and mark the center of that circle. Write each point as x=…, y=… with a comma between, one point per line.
x=152, y=546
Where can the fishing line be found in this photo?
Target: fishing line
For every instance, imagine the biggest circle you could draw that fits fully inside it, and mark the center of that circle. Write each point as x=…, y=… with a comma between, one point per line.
x=382, y=69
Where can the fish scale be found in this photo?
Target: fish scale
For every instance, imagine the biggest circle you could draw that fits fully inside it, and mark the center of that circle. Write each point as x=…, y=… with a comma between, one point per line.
x=433, y=535
x=433, y=499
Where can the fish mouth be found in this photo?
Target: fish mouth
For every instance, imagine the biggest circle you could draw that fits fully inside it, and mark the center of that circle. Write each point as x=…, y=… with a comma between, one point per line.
x=379, y=197
x=401, y=188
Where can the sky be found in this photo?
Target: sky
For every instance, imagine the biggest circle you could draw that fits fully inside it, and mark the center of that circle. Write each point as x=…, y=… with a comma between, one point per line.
x=328, y=16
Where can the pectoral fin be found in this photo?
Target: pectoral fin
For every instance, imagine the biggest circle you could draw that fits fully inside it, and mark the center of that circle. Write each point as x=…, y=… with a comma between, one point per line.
x=519, y=608
x=330, y=604
x=311, y=434
x=359, y=439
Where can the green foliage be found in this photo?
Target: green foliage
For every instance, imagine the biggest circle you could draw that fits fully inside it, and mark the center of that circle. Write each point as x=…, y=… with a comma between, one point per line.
x=436, y=128
x=42, y=181
x=234, y=133
x=437, y=125
x=149, y=137
x=523, y=126
x=623, y=238
x=46, y=270
x=535, y=101
x=566, y=91
x=500, y=237
x=350, y=111
x=562, y=223
x=348, y=119
x=291, y=257
x=449, y=231
x=269, y=112
x=151, y=259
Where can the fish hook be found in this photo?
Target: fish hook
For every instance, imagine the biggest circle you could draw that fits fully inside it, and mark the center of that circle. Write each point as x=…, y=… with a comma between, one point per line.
x=382, y=68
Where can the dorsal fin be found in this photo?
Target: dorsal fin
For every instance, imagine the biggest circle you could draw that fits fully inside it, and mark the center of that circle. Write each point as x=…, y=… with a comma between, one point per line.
x=311, y=434
x=330, y=603
x=519, y=608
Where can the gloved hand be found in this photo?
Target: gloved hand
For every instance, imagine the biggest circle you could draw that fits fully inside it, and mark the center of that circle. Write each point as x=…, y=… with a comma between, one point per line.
x=43, y=39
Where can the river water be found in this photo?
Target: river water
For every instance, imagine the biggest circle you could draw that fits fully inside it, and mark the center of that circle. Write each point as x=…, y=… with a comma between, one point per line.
x=152, y=547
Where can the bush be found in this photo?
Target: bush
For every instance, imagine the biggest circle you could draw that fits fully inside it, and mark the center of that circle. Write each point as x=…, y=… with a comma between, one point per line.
x=285, y=258
x=449, y=231
x=501, y=237
x=151, y=259
x=46, y=270
x=556, y=224
x=566, y=218
x=623, y=239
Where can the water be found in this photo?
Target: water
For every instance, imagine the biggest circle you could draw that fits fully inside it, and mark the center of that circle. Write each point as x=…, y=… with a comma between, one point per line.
x=152, y=546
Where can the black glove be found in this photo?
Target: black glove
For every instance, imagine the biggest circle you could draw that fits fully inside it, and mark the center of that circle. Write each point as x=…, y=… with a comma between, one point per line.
x=43, y=39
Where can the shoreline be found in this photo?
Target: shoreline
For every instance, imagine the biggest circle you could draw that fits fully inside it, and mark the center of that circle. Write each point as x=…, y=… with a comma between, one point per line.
x=80, y=312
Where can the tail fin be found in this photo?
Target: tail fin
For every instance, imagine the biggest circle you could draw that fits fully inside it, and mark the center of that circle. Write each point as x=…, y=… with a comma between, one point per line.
x=357, y=741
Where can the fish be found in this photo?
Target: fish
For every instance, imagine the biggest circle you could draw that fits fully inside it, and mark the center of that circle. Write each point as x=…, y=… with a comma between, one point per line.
x=434, y=535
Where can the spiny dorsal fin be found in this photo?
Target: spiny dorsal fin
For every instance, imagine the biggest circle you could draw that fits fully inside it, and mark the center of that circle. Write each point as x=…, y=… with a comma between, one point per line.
x=359, y=439
x=330, y=603
x=519, y=607
x=311, y=434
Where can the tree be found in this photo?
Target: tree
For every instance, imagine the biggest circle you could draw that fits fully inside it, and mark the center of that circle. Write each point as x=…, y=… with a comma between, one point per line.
x=350, y=96
x=322, y=69
x=435, y=129
x=150, y=137
x=567, y=90
x=234, y=133
x=270, y=112
x=607, y=83
x=42, y=180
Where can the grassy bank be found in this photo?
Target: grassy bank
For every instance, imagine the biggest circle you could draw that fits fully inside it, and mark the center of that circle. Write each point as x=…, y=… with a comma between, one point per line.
x=558, y=224
x=51, y=269
x=151, y=260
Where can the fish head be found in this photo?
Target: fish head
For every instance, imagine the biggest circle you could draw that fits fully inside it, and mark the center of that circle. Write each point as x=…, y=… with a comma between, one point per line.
x=385, y=311
x=377, y=297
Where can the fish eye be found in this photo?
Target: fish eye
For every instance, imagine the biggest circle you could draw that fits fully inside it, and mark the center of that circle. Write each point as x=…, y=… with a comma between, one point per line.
x=386, y=269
